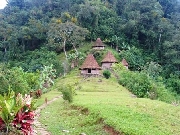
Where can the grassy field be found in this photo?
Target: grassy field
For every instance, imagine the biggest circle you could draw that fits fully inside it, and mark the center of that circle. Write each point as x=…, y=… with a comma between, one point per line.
x=60, y=119
x=115, y=106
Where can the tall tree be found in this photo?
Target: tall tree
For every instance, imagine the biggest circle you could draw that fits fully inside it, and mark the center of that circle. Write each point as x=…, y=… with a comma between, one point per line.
x=6, y=31
x=60, y=34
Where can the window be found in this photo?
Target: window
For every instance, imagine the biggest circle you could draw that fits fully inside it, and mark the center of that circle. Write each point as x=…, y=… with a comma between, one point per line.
x=89, y=70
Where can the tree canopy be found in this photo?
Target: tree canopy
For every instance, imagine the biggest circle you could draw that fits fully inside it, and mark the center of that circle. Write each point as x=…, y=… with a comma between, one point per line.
x=150, y=26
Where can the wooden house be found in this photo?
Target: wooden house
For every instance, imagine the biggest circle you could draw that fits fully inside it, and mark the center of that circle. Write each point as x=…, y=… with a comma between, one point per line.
x=90, y=66
x=125, y=64
x=108, y=60
x=98, y=45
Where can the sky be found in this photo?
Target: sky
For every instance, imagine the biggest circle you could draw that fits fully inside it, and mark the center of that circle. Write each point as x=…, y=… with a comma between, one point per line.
x=2, y=4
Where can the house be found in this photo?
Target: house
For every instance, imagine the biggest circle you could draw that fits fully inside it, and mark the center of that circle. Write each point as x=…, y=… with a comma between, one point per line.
x=108, y=60
x=90, y=66
x=98, y=45
x=125, y=64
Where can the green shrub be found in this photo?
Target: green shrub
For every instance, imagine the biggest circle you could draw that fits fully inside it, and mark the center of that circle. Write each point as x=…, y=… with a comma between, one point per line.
x=32, y=80
x=163, y=94
x=107, y=74
x=142, y=85
x=15, y=78
x=173, y=83
x=137, y=83
x=68, y=92
x=32, y=61
x=18, y=80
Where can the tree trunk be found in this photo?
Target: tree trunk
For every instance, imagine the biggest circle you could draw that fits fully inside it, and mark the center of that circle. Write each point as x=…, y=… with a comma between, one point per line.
x=159, y=37
x=64, y=48
x=74, y=47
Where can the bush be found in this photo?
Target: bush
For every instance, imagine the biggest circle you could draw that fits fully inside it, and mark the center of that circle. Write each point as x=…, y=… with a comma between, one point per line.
x=32, y=61
x=32, y=79
x=142, y=85
x=137, y=83
x=68, y=92
x=14, y=78
x=173, y=83
x=162, y=93
x=107, y=74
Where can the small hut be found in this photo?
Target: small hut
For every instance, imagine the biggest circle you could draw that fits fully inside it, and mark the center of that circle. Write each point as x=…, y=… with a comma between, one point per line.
x=125, y=64
x=108, y=60
x=98, y=45
x=90, y=66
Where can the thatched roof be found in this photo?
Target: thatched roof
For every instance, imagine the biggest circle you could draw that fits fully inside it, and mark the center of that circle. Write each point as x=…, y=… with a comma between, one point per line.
x=124, y=62
x=98, y=43
x=109, y=58
x=90, y=63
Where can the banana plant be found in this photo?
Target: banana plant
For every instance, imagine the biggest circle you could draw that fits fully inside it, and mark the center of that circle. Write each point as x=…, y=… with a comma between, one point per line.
x=8, y=108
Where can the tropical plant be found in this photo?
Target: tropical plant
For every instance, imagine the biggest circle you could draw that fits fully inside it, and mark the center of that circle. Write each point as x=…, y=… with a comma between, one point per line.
x=74, y=58
x=16, y=112
x=47, y=76
x=25, y=117
x=9, y=109
x=107, y=74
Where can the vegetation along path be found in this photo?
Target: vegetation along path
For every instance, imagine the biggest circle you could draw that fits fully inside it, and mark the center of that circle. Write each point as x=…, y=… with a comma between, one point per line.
x=38, y=127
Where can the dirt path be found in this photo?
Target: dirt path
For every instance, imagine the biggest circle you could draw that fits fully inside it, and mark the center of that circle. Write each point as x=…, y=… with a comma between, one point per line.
x=38, y=127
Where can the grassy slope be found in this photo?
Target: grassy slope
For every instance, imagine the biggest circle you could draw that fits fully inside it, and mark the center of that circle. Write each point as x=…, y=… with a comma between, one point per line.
x=113, y=103
x=120, y=110
x=61, y=119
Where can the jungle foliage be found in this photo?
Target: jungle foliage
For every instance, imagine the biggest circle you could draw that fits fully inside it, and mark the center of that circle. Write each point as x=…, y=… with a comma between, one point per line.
x=33, y=33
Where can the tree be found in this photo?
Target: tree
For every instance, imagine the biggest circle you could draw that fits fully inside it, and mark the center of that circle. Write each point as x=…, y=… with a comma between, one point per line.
x=18, y=3
x=173, y=51
x=134, y=58
x=142, y=23
x=6, y=31
x=100, y=20
x=60, y=34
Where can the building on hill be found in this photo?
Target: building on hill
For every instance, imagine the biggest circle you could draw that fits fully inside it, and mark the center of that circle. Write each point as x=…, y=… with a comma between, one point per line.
x=90, y=66
x=108, y=60
x=98, y=45
x=125, y=64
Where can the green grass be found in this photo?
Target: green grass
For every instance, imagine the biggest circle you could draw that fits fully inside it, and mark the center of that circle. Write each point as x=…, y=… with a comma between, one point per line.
x=65, y=117
x=132, y=115
x=107, y=100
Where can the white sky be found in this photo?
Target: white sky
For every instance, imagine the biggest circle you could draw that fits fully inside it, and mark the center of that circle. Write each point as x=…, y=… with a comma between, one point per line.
x=2, y=4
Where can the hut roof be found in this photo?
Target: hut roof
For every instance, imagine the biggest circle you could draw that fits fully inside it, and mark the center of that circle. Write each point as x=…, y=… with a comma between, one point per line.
x=124, y=62
x=98, y=43
x=90, y=63
x=109, y=58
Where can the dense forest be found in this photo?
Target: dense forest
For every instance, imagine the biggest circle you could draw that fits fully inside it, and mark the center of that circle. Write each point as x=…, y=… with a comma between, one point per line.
x=145, y=32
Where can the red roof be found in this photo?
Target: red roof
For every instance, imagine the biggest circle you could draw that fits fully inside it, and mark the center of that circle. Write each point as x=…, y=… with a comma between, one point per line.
x=124, y=62
x=109, y=58
x=90, y=63
x=98, y=43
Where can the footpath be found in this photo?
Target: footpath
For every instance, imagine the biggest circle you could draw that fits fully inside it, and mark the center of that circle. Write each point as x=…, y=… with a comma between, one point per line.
x=39, y=129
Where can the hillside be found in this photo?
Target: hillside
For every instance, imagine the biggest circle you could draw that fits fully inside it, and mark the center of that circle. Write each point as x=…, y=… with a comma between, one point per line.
x=34, y=33
x=116, y=107
x=43, y=41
